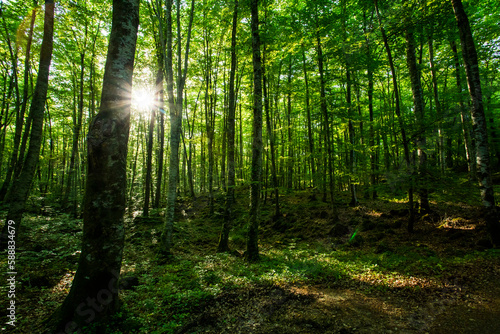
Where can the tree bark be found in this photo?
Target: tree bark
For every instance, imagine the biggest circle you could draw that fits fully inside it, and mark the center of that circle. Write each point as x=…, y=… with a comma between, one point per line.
x=231, y=131
x=252, y=253
x=175, y=108
x=309, y=123
x=21, y=187
x=397, y=108
x=94, y=292
x=149, y=163
x=17, y=158
x=469, y=55
x=464, y=118
x=418, y=104
x=326, y=124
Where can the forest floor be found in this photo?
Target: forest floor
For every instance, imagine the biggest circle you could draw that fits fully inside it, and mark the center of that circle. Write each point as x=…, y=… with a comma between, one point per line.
x=359, y=272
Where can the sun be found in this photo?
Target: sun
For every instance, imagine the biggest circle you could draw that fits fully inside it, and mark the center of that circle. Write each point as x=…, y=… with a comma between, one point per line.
x=143, y=99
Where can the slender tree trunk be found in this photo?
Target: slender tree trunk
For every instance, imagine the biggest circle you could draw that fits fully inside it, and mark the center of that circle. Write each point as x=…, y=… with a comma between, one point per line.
x=352, y=134
x=17, y=158
x=77, y=123
x=326, y=124
x=400, y=119
x=231, y=131
x=290, y=159
x=373, y=155
x=418, y=103
x=149, y=163
x=21, y=187
x=161, y=137
x=464, y=117
x=478, y=121
x=175, y=107
x=309, y=123
x=270, y=135
x=252, y=253
x=439, y=111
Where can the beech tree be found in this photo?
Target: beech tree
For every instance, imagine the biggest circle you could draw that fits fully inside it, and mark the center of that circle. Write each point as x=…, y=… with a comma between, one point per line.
x=253, y=229
x=469, y=55
x=94, y=292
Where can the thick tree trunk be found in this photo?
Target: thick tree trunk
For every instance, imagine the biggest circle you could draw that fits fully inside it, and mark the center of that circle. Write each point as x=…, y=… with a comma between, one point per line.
x=252, y=253
x=94, y=292
x=478, y=121
x=21, y=187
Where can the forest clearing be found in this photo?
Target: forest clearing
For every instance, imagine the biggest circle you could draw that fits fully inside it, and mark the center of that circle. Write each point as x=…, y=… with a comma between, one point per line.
x=254, y=166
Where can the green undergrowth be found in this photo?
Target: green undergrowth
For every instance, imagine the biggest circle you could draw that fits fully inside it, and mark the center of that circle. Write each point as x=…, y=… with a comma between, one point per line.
x=373, y=256
x=170, y=295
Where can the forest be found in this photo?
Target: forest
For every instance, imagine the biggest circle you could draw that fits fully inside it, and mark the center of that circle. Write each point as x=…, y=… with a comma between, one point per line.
x=249, y=166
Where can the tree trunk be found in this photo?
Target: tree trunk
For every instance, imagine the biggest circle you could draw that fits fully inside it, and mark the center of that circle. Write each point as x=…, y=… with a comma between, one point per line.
x=149, y=163
x=309, y=123
x=400, y=119
x=252, y=253
x=373, y=164
x=21, y=187
x=175, y=107
x=94, y=292
x=464, y=117
x=270, y=135
x=15, y=158
x=326, y=124
x=290, y=159
x=161, y=136
x=418, y=104
x=77, y=123
x=231, y=130
x=478, y=121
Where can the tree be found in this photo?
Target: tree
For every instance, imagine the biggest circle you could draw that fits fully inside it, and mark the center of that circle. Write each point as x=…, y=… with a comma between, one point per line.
x=469, y=55
x=21, y=187
x=252, y=253
x=418, y=105
x=231, y=130
x=175, y=108
x=94, y=292
x=400, y=119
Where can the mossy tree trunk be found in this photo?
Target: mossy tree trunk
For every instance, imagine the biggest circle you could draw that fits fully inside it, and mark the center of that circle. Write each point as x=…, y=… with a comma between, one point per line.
x=94, y=292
